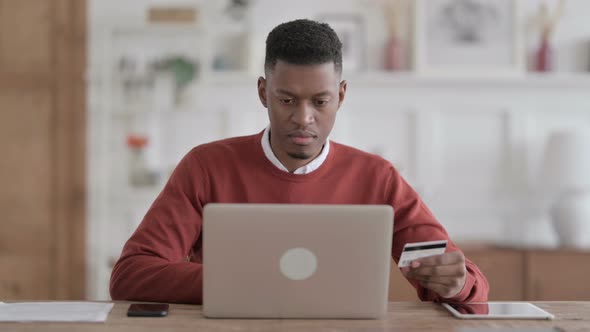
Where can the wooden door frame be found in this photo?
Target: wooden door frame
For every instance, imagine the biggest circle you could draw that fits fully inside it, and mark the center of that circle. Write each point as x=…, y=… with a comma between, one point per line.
x=69, y=149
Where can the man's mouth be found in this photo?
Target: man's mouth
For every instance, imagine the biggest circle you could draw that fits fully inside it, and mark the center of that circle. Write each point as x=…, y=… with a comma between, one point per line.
x=301, y=138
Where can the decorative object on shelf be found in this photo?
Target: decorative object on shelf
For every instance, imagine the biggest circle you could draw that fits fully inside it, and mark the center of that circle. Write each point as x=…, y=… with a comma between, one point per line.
x=140, y=174
x=394, y=52
x=351, y=31
x=164, y=92
x=474, y=38
x=146, y=56
x=136, y=81
x=232, y=35
x=183, y=70
x=232, y=52
x=222, y=62
x=546, y=22
x=172, y=15
x=566, y=174
x=237, y=9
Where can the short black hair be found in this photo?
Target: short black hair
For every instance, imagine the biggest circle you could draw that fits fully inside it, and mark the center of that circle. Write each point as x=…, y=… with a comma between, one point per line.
x=303, y=42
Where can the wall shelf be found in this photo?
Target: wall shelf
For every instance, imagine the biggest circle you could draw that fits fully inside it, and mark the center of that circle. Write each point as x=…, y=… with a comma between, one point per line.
x=409, y=80
x=533, y=80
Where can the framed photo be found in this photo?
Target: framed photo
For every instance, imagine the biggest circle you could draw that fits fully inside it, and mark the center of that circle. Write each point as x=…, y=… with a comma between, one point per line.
x=474, y=38
x=351, y=31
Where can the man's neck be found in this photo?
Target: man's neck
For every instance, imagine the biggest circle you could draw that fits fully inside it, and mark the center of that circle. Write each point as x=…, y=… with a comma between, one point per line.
x=291, y=163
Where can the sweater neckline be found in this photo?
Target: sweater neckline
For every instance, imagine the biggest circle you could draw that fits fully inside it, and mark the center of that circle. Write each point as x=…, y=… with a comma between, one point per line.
x=270, y=167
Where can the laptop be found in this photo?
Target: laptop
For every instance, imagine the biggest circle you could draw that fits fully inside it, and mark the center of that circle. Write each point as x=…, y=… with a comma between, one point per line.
x=296, y=261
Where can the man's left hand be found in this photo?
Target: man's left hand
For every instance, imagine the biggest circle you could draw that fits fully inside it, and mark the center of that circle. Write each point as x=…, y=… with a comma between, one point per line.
x=444, y=274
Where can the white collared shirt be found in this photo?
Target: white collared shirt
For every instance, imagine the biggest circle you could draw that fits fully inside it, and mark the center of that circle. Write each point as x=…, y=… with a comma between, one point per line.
x=310, y=167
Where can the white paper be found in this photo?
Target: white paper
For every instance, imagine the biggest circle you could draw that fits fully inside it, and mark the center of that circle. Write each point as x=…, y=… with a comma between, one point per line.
x=54, y=311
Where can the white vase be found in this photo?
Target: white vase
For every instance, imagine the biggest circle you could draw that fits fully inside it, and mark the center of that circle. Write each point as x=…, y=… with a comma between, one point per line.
x=164, y=92
x=571, y=219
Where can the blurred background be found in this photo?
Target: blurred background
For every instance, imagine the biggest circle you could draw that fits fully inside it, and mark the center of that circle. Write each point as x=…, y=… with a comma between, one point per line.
x=483, y=106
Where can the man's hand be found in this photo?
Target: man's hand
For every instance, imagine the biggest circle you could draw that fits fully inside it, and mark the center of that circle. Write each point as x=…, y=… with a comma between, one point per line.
x=444, y=274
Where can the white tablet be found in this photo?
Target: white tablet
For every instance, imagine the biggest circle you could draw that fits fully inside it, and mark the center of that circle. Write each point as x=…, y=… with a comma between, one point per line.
x=497, y=310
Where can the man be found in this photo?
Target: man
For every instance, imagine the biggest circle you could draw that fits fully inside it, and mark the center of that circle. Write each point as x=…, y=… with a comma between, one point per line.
x=291, y=161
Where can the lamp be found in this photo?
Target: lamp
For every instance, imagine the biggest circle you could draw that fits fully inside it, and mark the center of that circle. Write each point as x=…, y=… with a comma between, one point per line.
x=566, y=173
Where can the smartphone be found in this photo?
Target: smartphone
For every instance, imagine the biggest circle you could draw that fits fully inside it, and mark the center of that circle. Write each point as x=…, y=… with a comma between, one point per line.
x=147, y=310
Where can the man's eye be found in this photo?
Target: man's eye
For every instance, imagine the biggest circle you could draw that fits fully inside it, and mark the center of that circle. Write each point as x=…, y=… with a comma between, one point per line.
x=321, y=102
x=286, y=101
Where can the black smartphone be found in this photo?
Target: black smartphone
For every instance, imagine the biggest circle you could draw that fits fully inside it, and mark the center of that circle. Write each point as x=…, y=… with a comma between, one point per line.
x=147, y=310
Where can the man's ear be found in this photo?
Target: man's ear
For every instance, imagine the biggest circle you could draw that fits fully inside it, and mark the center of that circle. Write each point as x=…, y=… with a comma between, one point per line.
x=262, y=91
x=342, y=92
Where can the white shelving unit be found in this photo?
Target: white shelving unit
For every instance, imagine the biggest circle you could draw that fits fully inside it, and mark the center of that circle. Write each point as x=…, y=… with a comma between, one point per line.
x=115, y=206
x=221, y=104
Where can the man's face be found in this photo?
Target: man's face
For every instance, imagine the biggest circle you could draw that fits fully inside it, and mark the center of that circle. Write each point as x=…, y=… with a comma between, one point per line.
x=302, y=101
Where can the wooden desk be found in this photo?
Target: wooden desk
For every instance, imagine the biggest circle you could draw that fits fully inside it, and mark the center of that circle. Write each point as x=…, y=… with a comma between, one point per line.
x=403, y=316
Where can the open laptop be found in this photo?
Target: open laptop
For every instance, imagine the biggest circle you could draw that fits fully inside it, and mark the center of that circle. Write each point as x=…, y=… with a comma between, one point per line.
x=296, y=261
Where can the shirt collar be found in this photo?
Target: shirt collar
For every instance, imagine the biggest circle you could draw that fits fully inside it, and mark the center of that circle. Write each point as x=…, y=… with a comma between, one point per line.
x=310, y=167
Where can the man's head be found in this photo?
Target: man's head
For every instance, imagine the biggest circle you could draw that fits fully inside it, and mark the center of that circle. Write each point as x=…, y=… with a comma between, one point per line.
x=302, y=90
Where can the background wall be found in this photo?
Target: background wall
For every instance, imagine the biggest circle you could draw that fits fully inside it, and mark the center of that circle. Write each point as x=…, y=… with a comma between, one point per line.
x=472, y=148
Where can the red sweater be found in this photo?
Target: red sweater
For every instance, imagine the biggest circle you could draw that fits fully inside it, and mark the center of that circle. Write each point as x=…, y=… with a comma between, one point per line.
x=162, y=259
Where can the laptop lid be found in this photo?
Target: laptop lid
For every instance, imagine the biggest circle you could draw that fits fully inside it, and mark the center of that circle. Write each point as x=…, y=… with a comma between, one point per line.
x=296, y=261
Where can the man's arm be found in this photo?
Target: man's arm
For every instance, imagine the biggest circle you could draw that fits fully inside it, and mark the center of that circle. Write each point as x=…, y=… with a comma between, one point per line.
x=153, y=265
x=415, y=223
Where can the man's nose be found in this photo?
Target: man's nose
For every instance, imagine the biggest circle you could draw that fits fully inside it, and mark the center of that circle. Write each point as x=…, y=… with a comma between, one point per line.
x=303, y=115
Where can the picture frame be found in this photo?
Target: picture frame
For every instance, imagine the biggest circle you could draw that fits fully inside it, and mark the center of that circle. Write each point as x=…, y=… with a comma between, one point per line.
x=351, y=31
x=468, y=38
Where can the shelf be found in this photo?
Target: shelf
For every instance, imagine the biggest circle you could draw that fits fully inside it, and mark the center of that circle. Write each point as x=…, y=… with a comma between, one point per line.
x=381, y=79
x=413, y=80
x=126, y=113
x=529, y=80
x=230, y=78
